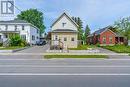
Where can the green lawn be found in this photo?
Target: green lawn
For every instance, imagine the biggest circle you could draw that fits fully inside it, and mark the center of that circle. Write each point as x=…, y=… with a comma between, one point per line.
x=75, y=56
x=118, y=48
x=83, y=47
x=10, y=48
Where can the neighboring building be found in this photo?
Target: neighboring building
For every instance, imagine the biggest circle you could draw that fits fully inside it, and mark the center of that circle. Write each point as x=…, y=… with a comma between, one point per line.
x=27, y=31
x=64, y=32
x=106, y=36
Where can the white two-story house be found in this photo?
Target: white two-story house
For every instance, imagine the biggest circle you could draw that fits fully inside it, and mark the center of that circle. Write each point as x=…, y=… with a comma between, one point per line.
x=64, y=32
x=26, y=30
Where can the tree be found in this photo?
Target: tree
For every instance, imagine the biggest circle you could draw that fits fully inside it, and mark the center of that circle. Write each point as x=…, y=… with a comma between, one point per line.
x=123, y=26
x=87, y=33
x=80, y=28
x=34, y=17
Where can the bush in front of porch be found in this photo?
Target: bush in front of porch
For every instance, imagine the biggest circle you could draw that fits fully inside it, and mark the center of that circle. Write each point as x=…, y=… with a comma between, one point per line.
x=118, y=48
x=17, y=41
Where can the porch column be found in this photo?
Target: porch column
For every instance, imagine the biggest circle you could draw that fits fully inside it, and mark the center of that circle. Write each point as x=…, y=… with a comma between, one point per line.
x=118, y=39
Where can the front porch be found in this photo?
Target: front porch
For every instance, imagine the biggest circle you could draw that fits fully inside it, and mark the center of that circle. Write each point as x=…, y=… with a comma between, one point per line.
x=119, y=40
x=6, y=35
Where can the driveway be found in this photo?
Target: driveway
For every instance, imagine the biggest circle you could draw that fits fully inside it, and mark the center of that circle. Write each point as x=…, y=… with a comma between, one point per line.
x=35, y=49
x=114, y=54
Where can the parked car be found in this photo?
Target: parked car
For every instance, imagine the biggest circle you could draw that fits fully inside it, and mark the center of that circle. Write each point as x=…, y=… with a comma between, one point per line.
x=40, y=43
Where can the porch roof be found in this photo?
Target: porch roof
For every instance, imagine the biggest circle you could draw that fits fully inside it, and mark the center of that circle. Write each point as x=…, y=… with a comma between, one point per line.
x=64, y=30
x=9, y=31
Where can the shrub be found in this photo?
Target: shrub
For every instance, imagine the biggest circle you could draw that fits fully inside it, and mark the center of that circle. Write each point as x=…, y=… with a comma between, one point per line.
x=17, y=41
x=1, y=44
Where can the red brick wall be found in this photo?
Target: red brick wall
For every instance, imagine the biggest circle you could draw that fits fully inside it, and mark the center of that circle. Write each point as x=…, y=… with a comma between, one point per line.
x=107, y=33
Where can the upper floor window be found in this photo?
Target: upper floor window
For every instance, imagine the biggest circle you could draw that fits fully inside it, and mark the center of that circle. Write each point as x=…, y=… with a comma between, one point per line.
x=63, y=24
x=22, y=27
x=15, y=27
x=37, y=31
x=6, y=27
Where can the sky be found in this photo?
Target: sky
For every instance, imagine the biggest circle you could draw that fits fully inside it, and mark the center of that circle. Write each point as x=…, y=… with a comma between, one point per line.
x=96, y=13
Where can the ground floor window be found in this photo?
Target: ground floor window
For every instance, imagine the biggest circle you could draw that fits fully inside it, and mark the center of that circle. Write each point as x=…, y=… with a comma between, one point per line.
x=6, y=36
x=23, y=37
x=0, y=37
x=110, y=39
x=65, y=39
x=33, y=37
x=104, y=39
x=56, y=37
x=72, y=39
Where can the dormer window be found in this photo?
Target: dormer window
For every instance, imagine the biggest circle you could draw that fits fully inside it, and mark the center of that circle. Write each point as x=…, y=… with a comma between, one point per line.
x=63, y=24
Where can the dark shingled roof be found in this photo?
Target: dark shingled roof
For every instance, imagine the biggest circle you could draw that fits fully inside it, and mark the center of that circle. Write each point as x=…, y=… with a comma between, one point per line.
x=64, y=30
x=98, y=32
x=101, y=30
x=14, y=21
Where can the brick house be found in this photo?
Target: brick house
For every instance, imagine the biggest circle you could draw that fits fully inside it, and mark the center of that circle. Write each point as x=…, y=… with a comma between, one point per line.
x=105, y=36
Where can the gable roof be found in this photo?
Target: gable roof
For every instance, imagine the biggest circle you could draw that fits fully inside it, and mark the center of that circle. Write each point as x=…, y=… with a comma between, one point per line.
x=98, y=32
x=101, y=30
x=64, y=30
x=18, y=21
x=65, y=14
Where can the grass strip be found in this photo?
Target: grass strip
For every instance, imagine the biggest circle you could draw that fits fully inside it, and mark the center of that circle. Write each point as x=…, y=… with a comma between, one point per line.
x=75, y=56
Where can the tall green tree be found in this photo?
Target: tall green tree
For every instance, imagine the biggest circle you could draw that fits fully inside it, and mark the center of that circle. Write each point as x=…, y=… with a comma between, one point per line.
x=123, y=26
x=86, y=34
x=34, y=17
x=80, y=28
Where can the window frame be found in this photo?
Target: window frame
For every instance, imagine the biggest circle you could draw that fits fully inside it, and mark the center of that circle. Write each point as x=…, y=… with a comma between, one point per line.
x=110, y=39
x=23, y=27
x=63, y=24
x=104, y=39
x=33, y=37
x=72, y=39
x=65, y=38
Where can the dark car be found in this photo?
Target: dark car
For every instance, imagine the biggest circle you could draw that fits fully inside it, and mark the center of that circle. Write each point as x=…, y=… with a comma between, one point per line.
x=40, y=43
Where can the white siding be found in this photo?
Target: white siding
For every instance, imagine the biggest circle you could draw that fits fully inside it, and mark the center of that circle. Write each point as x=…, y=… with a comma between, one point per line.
x=33, y=32
x=68, y=25
x=28, y=31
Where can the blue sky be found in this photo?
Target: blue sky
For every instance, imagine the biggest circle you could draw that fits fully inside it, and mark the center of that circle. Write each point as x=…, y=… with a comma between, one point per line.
x=95, y=13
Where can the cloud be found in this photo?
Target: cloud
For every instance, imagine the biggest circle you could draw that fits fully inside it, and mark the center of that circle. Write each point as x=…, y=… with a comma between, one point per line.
x=96, y=13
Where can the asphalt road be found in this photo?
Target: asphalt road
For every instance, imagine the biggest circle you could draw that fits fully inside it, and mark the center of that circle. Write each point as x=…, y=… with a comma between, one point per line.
x=65, y=81
x=28, y=70
x=64, y=73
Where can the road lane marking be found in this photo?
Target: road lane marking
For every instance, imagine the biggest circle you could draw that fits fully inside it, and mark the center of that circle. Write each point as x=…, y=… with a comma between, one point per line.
x=21, y=59
x=123, y=54
x=63, y=74
x=44, y=66
x=89, y=59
